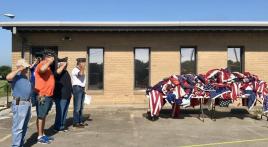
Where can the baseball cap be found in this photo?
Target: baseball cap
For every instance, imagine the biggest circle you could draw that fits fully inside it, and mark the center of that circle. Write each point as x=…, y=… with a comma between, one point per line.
x=81, y=60
x=22, y=62
x=49, y=52
x=63, y=59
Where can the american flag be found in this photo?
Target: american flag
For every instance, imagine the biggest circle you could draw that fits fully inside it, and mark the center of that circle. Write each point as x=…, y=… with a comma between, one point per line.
x=155, y=102
x=235, y=91
x=211, y=73
x=238, y=75
x=234, y=87
x=223, y=76
x=179, y=92
x=262, y=88
x=216, y=81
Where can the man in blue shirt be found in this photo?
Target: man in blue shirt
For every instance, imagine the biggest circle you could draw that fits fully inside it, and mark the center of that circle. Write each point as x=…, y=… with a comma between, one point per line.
x=21, y=105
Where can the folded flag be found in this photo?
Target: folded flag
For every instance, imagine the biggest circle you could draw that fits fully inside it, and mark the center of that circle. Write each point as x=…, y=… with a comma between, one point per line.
x=155, y=102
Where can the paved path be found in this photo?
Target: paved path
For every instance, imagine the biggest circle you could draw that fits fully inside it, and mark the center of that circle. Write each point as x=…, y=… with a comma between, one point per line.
x=120, y=127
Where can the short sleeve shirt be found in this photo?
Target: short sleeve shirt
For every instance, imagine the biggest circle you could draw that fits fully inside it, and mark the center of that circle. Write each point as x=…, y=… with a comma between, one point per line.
x=21, y=87
x=44, y=82
x=77, y=79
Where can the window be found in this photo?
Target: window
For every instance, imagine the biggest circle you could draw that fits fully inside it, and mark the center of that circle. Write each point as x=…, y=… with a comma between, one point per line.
x=142, y=66
x=234, y=62
x=188, y=60
x=95, y=69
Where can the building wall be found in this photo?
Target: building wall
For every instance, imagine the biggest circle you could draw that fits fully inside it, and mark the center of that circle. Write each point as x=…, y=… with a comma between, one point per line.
x=165, y=57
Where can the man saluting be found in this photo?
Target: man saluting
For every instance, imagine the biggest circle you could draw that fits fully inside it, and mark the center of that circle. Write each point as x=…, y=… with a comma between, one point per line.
x=21, y=105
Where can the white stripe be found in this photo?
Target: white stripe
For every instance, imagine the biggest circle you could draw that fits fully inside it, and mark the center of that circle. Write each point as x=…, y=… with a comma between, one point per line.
x=9, y=135
x=5, y=138
x=213, y=73
x=222, y=76
x=182, y=92
x=160, y=101
x=156, y=106
x=4, y=117
x=235, y=90
x=253, y=104
x=151, y=103
x=176, y=92
x=155, y=98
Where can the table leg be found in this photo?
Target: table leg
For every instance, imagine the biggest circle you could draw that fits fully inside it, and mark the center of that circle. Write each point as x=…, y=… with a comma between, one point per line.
x=201, y=109
x=213, y=110
x=173, y=110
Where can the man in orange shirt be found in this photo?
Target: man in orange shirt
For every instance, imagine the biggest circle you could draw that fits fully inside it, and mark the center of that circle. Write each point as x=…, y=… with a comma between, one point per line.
x=44, y=87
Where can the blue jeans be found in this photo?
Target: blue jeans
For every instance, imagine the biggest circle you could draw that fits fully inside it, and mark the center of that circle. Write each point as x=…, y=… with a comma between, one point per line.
x=21, y=117
x=62, y=106
x=79, y=97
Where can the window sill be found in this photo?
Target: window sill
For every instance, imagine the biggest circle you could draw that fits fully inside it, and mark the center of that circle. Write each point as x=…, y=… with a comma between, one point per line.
x=95, y=92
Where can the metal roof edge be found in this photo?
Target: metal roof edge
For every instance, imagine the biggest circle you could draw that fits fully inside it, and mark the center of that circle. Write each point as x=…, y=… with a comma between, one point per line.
x=133, y=23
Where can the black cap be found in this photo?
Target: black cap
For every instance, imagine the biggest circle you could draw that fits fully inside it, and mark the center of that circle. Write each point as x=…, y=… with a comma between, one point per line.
x=81, y=60
x=49, y=52
x=63, y=59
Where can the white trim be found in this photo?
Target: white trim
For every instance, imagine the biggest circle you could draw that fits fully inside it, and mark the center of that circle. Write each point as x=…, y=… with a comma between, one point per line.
x=131, y=23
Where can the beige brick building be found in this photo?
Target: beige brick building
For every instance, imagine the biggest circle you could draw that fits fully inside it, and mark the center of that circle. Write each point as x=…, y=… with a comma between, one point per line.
x=165, y=44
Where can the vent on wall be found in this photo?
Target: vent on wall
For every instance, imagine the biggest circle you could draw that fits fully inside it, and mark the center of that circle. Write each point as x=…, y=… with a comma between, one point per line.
x=67, y=38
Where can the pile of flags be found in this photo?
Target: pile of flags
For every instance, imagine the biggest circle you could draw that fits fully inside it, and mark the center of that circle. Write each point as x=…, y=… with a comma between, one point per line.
x=228, y=86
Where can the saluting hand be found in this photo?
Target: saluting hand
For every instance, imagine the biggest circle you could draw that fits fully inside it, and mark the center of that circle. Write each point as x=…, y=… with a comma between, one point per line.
x=21, y=68
x=50, y=60
x=63, y=64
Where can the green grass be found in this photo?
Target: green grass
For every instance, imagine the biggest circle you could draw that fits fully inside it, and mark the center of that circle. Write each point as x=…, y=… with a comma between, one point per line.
x=3, y=88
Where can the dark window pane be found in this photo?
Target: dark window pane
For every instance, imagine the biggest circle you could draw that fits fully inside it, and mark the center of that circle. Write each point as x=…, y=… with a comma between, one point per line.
x=95, y=69
x=188, y=61
x=234, y=59
x=142, y=63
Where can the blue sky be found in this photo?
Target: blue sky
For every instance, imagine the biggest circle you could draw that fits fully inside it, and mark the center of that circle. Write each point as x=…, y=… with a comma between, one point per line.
x=127, y=10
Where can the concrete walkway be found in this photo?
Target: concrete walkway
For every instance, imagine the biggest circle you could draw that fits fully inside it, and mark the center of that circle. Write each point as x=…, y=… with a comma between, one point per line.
x=127, y=126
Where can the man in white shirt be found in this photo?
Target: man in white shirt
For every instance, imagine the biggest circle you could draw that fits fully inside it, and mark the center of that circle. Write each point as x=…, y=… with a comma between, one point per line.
x=79, y=83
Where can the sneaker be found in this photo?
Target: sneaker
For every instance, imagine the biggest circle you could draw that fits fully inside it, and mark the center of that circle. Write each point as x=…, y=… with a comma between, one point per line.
x=84, y=124
x=60, y=131
x=43, y=140
x=78, y=126
x=63, y=130
x=50, y=138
